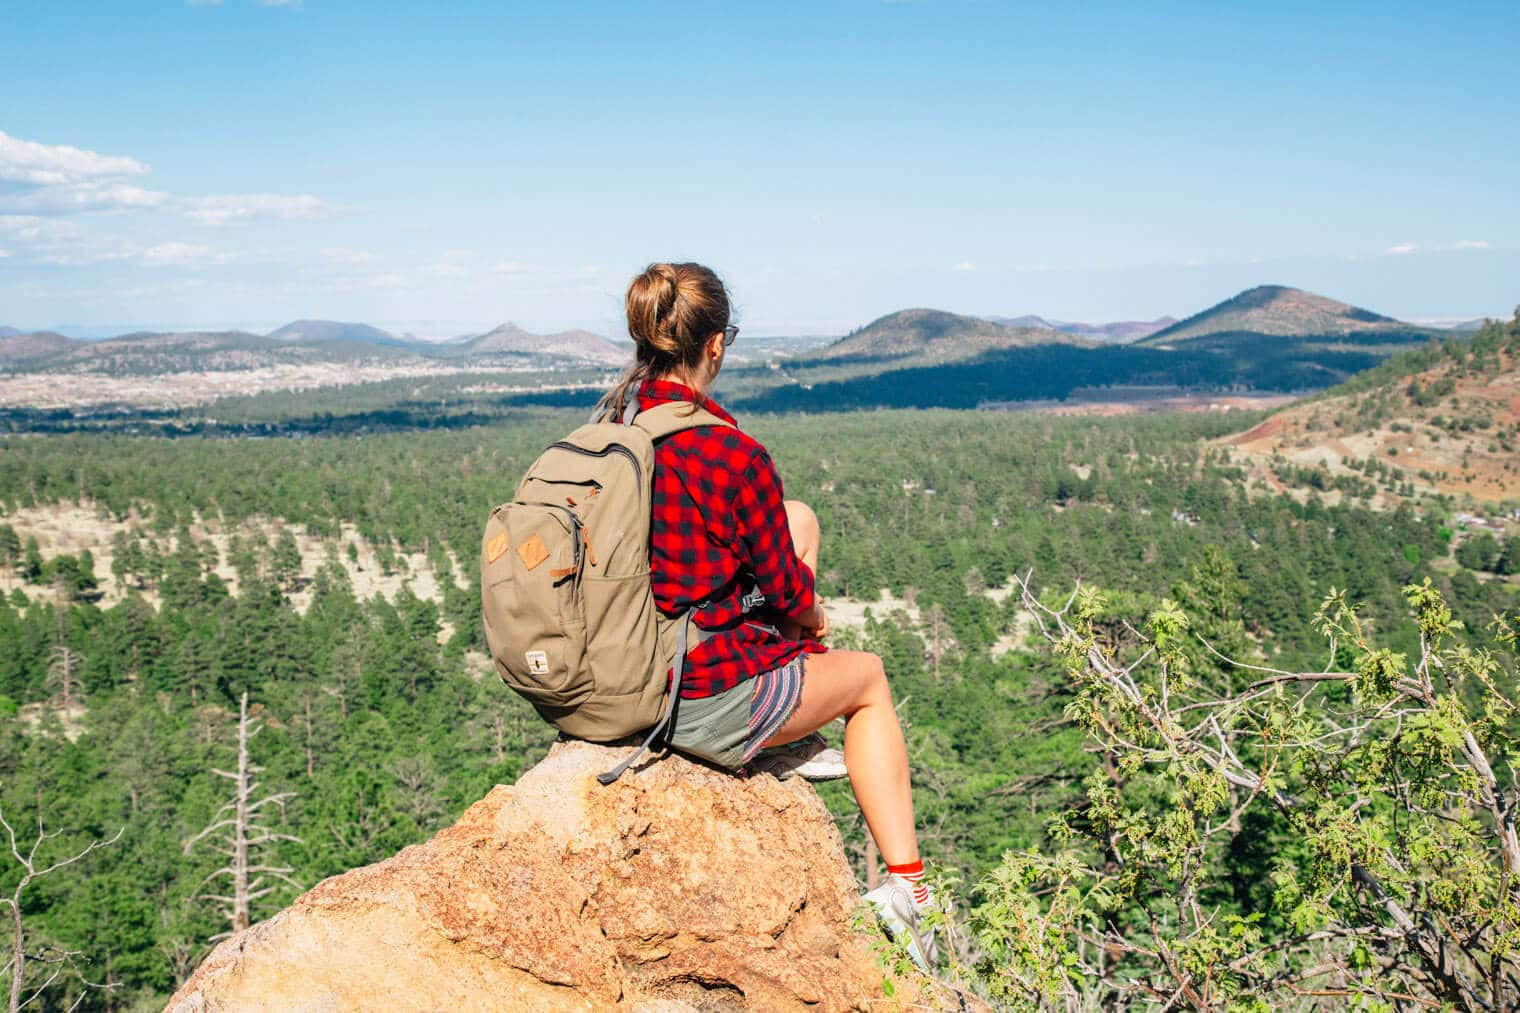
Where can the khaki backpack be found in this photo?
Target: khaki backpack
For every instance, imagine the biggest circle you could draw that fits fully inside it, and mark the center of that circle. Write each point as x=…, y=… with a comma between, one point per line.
x=565, y=586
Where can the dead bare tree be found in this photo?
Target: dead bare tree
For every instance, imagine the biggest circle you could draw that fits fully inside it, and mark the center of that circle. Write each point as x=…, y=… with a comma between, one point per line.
x=237, y=831
x=64, y=667
x=59, y=961
x=307, y=720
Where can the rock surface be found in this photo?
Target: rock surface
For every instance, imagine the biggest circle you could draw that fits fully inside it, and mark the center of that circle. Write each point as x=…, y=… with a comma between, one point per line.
x=677, y=888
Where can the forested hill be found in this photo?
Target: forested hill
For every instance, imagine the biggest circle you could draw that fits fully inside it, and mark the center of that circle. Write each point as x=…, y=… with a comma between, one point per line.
x=1269, y=338
x=925, y=335
x=1286, y=313
x=1443, y=418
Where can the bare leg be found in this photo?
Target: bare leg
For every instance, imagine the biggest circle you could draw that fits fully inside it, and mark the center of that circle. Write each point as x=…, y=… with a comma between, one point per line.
x=853, y=685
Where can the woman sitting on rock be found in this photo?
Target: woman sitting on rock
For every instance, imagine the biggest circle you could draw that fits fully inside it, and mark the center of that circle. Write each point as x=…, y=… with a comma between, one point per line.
x=724, y=539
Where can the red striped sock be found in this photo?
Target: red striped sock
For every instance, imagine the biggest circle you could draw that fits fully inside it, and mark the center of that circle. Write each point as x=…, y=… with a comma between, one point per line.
x=913, y=874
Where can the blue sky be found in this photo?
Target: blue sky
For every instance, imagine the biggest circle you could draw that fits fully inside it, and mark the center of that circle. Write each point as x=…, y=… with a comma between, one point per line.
x=442, y=168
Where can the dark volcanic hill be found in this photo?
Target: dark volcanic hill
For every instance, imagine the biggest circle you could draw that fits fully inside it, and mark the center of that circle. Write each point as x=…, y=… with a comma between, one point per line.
x=1276, y=311
x=509, y=340
x=331, y=330
x=935, y=336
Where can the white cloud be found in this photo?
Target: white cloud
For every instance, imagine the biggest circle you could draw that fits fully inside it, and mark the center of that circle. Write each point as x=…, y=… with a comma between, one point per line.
x=60, y=243
x=52, y=241
x=58, y=164
x=4, y=254
x=964, y=265
x=59, y=181
x=75, y=198
x=228, y=209
x=1472, y=244
x=1400, y=248
x=294, y=5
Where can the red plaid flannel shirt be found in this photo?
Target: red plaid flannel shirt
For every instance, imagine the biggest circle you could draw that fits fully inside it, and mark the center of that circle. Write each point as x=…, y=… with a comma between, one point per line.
x=718, y=531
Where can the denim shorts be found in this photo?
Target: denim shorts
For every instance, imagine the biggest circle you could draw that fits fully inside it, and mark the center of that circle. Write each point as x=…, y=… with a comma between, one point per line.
x=730, y=727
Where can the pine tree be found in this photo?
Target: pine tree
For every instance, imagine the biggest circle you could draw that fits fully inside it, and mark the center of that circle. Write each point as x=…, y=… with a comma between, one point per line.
x=285, y=561
x=29, y=568
x=10, y=547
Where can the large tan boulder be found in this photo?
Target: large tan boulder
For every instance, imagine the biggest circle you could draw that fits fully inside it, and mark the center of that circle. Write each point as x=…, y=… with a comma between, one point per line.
x=677, y=888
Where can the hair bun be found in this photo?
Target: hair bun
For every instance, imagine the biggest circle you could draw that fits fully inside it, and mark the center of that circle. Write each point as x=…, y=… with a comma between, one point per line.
x=672, y=310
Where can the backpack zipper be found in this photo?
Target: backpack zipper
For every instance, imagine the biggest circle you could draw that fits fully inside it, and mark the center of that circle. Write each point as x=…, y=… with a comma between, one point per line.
x=611, y=448
x=575, y=533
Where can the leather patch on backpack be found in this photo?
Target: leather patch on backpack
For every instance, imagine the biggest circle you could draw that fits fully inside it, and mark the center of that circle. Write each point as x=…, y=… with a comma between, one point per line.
x=496, y=546
x=532, y=552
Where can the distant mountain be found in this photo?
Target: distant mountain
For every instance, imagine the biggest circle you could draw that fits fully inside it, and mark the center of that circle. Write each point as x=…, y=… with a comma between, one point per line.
x=1116, y=333
x=10, y=332
x=332, y=330
x=1027, y=320
x=17, y=347
x=147, y=353
x=935, y=336
x=511, y=340
x=1281, y=312
x=301, y=342
x=1430, y=419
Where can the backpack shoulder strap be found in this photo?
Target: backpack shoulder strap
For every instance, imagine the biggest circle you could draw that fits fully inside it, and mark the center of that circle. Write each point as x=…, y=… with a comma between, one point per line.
x=673, y=417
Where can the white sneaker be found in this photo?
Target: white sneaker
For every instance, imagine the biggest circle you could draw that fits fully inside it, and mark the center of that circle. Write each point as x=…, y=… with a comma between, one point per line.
x=809, y=758
x=893, y=901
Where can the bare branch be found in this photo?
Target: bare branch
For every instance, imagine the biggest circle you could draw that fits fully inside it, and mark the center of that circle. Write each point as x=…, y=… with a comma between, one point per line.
x=92, y=846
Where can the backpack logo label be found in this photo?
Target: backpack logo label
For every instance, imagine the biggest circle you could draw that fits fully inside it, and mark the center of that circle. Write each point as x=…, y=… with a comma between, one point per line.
x=533, y=552
x=495, y=547
x=538, y=662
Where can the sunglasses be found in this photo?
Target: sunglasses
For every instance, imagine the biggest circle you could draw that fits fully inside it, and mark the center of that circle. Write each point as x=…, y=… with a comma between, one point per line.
x=729, y=334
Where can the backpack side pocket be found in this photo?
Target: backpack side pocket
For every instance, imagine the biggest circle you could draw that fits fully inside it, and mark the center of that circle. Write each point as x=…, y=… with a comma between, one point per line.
x=530, y=603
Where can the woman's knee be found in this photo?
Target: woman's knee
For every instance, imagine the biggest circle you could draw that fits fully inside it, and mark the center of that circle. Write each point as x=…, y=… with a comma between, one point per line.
x=873, y=680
